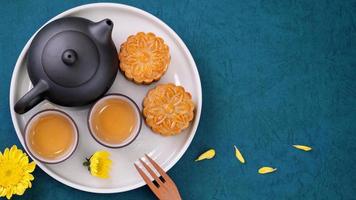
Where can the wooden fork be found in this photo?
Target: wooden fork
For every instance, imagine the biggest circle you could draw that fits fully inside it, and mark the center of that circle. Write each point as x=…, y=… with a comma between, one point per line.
x=165, y=188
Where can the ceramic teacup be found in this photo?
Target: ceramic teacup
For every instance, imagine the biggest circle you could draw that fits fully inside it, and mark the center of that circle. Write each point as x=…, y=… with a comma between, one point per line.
x=51, y=136
x=115, y=120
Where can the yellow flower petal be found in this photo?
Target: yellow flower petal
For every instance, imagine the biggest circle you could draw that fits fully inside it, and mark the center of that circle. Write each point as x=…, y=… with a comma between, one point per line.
x=302, y=147
x=20, y=189
x=30, y=177
x=13, y=149
x=24, y=161
x=15, y=154
x=2, y=191
x=206, y=155
x=31, y=167
x=266, y=170
x=239, y=155
x=6, y=153
x=9, y=193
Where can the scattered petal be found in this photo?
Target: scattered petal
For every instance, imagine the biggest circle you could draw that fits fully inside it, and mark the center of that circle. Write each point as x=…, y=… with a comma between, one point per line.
x=206, y=155
x=266, y=170
x=239, y=155
x=302, y=147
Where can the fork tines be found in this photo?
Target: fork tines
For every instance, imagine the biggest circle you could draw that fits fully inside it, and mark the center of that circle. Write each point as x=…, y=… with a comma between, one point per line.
x=163, y=186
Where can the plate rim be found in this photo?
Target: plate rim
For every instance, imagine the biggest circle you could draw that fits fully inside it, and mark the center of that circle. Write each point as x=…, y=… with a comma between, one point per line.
x=13, y=86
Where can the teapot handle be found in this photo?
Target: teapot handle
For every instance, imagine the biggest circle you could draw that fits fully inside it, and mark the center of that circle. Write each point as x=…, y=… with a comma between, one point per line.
x=31, y=98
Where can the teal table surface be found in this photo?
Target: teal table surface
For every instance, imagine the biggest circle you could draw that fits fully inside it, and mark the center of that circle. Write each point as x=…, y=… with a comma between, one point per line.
x=274, y=73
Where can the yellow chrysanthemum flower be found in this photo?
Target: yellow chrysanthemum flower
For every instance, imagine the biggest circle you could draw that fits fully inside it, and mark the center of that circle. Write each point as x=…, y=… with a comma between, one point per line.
x=15, y=172
x=99, y=164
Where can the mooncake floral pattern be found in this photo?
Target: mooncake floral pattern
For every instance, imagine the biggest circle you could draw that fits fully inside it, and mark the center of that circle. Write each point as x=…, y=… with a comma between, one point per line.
x=144, y=58
x=168, y=109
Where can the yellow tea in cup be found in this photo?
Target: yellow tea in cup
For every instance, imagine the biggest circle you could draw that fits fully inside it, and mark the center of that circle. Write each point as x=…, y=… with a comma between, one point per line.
x=114, y=121
x=51, y=136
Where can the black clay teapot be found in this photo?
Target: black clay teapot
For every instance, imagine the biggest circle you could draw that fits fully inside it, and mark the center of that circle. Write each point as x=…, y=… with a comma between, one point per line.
x=71, y=61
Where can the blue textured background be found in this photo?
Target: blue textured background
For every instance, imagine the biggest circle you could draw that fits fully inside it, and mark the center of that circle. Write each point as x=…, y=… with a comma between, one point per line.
x=274, y=73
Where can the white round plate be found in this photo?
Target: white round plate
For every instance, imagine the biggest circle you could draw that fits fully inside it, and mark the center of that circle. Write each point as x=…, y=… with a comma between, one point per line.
x=165, y=150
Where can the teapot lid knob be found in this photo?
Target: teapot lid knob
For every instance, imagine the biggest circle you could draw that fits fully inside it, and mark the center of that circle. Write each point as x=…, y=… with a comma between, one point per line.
x=69, y=57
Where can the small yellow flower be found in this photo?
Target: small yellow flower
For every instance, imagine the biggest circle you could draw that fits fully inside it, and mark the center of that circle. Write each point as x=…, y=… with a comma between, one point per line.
x=15, y=172
x=99, y=164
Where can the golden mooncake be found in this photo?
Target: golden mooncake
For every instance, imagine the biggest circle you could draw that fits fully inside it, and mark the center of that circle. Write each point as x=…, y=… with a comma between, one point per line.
x=144, y=58
x=168, y=109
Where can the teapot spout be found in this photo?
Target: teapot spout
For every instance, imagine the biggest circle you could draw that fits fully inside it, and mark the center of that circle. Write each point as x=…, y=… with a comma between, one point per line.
x=102, y=30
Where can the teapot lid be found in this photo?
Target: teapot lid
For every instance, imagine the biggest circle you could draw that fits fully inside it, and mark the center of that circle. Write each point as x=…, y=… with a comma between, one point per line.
x=70, y=58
